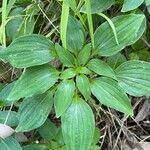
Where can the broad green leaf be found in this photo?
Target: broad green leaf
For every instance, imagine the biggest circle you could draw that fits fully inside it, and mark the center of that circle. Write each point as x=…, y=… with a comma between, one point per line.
x=148, y=5
x=116, y=60
x=108, y=92
x=101, y=68
x=34, y=111
x=65, y=56
x=9, y=144
x=147, y=2
x=96, y=137
x=134, y=77
x=54, y=145
x=111, y=25
x=68, y=73
x=78, y=125
x=4, y=94
x=13, y=25
x=98, y=6
x=95, y=147
x=63, y=96
x=36, y=147
x=34, y=80
x=59, y=137
x=129, y=5
x=28, y=51
x=48, y=130
x=75, y=35
x=27, y=26
x=83, y=70
x=84, y=54
x=83, y=85
x=12, y=119
x=129, y=29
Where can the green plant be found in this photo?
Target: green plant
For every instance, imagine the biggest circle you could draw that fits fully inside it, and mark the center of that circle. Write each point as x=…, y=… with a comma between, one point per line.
x=82, y=76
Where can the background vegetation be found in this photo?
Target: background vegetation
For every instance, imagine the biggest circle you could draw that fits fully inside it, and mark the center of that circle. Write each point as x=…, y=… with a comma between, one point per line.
x=114, y=130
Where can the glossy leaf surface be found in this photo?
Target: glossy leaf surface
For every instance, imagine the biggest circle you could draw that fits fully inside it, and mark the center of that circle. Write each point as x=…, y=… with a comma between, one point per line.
x=108, y=92
x=129, y=29
x=35, y=80
x=83, y=85
x=63, y=96
x=134, y=77
x=101, y=68
x=28, y=51
x=78, y=126
x=34, y=111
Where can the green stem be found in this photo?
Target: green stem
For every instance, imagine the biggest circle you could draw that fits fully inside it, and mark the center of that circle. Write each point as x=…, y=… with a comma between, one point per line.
x=90, y=21
x=64, y=23
x=4, y=16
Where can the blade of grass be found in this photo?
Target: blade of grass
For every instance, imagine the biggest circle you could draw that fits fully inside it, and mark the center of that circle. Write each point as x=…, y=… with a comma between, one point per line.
x=10, y=5
x=90, y=21
x=111, y=25
x=4, y=17
x=64, y=23
x=73, y=5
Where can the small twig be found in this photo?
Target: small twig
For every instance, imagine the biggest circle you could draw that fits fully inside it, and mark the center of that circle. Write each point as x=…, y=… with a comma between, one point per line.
x=146, y=43
x=8, y=113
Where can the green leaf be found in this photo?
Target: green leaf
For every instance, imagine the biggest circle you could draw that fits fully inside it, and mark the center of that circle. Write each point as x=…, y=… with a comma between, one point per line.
x=4, y=94
x=12, y=119
x=35, y=80
x=129, y=5
x=95, y=147
x=83, y=85
x=9, y=144
x=29, y=51
x=84, y=54
x=111, y=25
x=34, y=111
x=64, y=23
x=83, y=70
x=75, y=35
x=36, y=147
x=78, y=125
x=65, y=56
x=68, y=73
x=134, y=77
x=108, y=92
x=129, y=29
x=90, y=20
x=27, y=26
x=10, y=6
x=13, y=25
x=148, y=5
x=96, y=137
x=147, y=2
x=63, y=96
x=48, y=130
x=23, y=1
x=101, y=68
x=116, y=60
x=98, y=6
